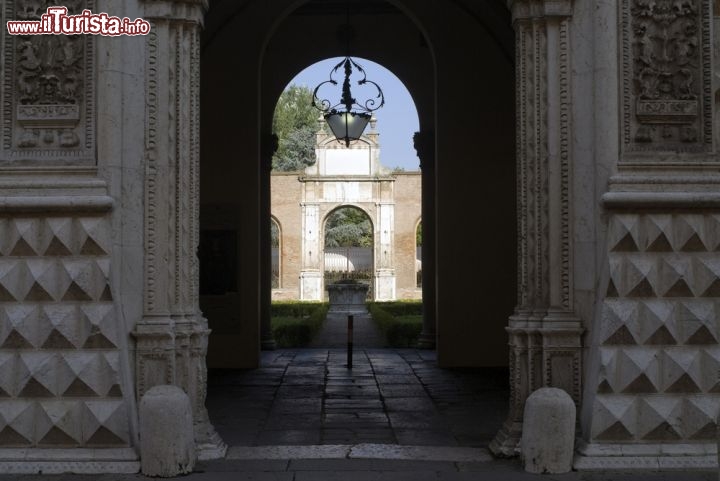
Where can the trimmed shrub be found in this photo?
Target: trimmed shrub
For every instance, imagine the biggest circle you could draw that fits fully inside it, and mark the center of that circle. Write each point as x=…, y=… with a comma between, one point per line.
x=401, y=308
x=399, y=330
x=293, y=308
x=297, y=330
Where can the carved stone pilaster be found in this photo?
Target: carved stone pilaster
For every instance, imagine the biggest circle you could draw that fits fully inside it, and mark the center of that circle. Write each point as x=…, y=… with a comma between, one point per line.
x=48, y=99
x=311, y=272
x=544, y=331
x=172, y=335
x=666, y=79
x=384, y=277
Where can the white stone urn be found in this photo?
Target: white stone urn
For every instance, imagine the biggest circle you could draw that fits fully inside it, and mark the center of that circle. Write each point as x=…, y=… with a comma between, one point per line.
x=347, y=297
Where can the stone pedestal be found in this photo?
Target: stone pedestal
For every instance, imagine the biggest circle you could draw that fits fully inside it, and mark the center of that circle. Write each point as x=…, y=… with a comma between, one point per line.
x=310, y=282
x=385, y=285
x=167, y=444
x=347, y=297
x=548, y=436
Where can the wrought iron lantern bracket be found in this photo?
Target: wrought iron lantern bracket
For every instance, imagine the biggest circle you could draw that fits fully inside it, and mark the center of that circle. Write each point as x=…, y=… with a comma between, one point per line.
x=348, y=118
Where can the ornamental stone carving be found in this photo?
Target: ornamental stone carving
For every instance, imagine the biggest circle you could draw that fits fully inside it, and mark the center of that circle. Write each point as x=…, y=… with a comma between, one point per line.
x=667, y=83
x=544, y=332
x=48, y=92
x=172, y=335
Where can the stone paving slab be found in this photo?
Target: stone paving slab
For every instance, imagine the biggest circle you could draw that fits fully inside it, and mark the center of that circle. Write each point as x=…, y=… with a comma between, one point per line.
x=368, y=476
x=422, y=437
x=368, y=465
x=288, y=452
x=410, y=453
x=297, y=405
x=309, y=396
x=358, y=434
x=371, y=469
x=288, y=436
x=397, y=398
x=383, y=453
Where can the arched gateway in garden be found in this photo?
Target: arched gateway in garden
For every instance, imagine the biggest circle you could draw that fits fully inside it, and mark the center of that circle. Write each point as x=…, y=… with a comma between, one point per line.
x=592, y=192
x=347, y=178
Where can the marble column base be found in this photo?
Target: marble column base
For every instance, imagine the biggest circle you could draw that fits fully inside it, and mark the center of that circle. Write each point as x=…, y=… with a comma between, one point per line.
x=507, y=441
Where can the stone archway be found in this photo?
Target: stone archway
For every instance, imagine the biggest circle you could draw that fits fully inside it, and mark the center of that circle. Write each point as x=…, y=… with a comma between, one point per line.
x=545, y=346
x=544, y=332
x=100, y=210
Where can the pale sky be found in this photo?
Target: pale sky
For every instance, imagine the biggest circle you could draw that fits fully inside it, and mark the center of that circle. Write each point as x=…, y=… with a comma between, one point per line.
x=397, y=119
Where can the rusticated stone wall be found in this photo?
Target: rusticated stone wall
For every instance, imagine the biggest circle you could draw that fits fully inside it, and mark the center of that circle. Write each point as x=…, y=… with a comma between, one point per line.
x=60, y=382
x=659, y=333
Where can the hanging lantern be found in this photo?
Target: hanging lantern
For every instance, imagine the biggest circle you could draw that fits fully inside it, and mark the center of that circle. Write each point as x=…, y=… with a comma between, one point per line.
x=348, y=118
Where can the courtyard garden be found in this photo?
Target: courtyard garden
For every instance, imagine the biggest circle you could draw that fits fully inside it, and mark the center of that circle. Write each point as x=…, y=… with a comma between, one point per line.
x=399, y=321
x=294, y=324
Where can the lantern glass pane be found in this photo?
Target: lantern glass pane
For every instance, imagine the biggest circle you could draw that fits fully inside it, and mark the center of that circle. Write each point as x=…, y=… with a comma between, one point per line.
x=347, y=126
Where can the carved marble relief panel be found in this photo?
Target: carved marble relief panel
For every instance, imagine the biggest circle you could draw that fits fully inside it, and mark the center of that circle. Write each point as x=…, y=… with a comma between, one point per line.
x=48, y=99
x=667, y=78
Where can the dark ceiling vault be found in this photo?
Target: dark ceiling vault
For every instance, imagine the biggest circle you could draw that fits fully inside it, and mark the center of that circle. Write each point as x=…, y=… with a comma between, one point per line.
x=491, y=15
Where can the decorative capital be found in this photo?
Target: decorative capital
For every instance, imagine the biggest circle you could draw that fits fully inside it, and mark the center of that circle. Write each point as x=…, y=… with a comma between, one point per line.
x=530, y=9
x=176, y=10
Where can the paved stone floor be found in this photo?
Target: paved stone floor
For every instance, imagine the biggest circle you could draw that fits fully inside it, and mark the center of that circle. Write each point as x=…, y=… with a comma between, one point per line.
x=374, y=470
x=305, y=397
x=398, y=397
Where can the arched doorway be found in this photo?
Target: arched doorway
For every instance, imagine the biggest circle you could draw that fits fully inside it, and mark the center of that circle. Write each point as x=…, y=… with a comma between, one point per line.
x=313, y=173
x=289, y=44
x=466, y=134
x=466, y=147
x=348, y=247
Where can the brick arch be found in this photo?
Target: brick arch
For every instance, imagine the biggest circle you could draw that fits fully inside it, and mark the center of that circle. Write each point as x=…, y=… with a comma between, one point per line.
x=372, y=215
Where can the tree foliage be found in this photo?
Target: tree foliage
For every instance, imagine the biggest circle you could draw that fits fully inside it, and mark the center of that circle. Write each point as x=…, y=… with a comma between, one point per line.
x=295, y=124
x=348, y=227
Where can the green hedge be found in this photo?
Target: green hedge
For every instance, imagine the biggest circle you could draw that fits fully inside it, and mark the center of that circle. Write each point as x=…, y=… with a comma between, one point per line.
x=293, y=308
x=401, y=308
x=295, y=323
x=400, y=322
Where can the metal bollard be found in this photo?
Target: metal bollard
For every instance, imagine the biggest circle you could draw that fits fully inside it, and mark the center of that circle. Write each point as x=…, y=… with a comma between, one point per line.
x=350, y=341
